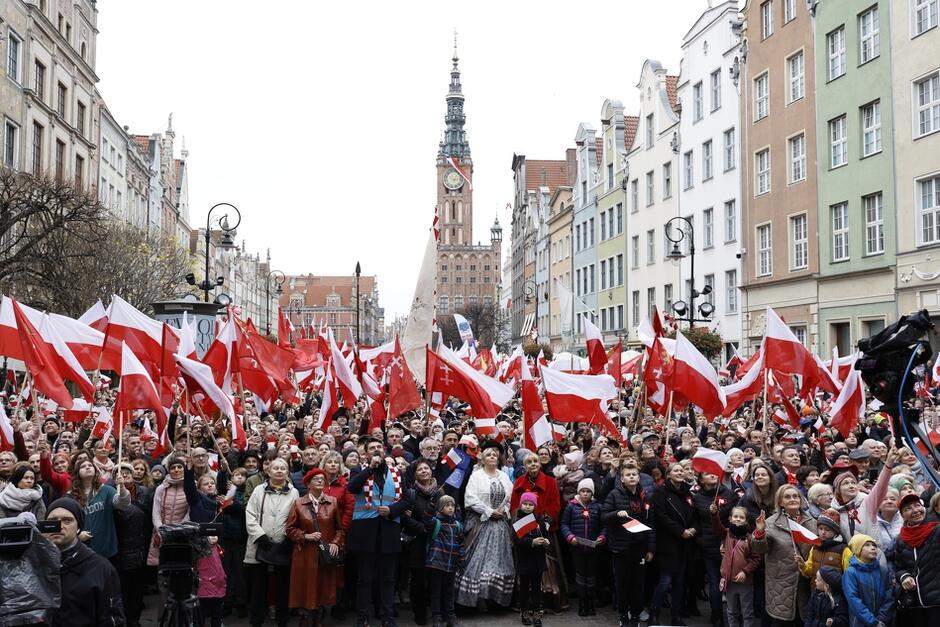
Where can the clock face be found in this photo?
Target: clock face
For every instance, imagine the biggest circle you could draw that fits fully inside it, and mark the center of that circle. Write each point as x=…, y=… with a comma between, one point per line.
x=452, y=179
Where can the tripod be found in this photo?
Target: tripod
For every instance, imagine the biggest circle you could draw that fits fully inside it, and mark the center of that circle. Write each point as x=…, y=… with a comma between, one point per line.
x=181, y=607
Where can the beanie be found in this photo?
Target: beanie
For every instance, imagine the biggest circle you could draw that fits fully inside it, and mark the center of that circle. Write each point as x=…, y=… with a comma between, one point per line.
x=837, y=482
x=830, y=518
x=858, y=541
x=832, y=576
x=529, y=497
x=586, y=483
x=72, y=506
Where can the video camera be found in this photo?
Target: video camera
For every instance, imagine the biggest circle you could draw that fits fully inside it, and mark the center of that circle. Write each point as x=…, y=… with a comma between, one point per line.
x=181, y=544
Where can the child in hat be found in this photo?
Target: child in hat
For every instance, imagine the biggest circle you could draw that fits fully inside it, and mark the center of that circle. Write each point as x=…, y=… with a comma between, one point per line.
x=581, y=528
x=530, y=561
x=827, y=606
x=445, y=551
x=832, y=552
x=738, y=565
x=867, y=587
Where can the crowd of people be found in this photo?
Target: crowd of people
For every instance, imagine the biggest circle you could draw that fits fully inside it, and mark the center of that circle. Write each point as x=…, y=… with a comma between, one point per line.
x=423, y=516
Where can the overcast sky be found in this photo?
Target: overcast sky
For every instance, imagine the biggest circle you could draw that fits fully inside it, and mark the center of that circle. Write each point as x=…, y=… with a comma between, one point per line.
x=320, y=121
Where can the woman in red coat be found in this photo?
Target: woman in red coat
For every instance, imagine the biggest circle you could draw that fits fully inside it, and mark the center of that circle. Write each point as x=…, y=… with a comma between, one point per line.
x=313, y=519
x=548, y=507
x=335, y=486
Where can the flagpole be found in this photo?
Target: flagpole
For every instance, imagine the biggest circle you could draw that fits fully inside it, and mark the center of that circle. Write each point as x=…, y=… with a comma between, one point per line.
x=668, y=415
x=120, y=417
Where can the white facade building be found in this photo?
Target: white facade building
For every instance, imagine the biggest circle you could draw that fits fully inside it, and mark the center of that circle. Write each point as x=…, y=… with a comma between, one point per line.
x=584, y=227
x=709, y=180
x=112, y=166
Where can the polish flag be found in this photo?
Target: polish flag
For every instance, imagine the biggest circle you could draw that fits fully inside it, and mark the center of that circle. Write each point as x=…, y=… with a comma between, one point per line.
x=96, y=317
x=535, y=423
x=327, y=401
x=801, y=534
x=746, y=388
x=485, y=426
x=40, y=360
x=222, y=355
x=498, y=393
x=558, y=432
x=709, y=461
x=783, y=351
x=455, y=165
x=79, y=411
x=696, y=378
x=613, y=366
x=214, y=462
x=635, y=526
x=511, y=368
x=749, y=363
x=284, y=329
x=65, y=360
x=349, y=385
x=198, y=379
x=103, y=422
x=849, y=407
x=141, y=333
x=579, y=397
x=597, y=356
x=187, y=341
x=453, y=458
x=136, y=390
x=6, y=430
x=524, y=525
x=650, y=328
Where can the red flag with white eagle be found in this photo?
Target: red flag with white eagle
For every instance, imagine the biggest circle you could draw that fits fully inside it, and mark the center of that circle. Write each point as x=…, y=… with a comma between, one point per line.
x=658, y=376
x=697, y=378
x=849, y=406
x=597, y=356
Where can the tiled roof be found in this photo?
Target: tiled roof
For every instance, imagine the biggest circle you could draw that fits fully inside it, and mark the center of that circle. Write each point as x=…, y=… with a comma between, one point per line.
x=630, y=123
x=143, y=141
x=672, y=90
x=599, y=150
x=555, y=174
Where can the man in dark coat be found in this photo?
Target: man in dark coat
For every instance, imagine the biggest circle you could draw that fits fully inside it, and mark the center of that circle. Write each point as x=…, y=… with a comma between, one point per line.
x=917, y=559
x=91, y=588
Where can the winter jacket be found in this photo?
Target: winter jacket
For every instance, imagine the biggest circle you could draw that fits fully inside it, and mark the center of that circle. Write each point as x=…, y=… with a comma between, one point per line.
x=832, y=553
x=134, y=528
x=530, y=559
x=709, y=541
x=297, y=479
x=344, y=500
x=868, y=592
x=860, y=515
x=375, y=534
x=266, y=515
x=546, y=488
x=674, y=513
x=923, y=564
x=202, y=507
x=423, y=506
x=639, y=508
x=786, y=592
x=821, y=608
x=738, y=556
x=91, y=590
x=578, y=520
x=233, y=519
x=444, y=544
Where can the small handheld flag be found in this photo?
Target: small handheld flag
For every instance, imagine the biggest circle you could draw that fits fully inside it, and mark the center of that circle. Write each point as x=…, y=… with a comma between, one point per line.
x=635, y=526
x=524, y=525
x=709, y=461
x=801, y=534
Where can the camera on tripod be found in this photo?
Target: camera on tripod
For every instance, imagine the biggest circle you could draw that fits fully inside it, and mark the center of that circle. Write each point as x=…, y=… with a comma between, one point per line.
x=181, y=545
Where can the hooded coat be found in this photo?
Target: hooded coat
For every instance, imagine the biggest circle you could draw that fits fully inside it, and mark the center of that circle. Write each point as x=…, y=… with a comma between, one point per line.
x=868, y=592
x=91, y=590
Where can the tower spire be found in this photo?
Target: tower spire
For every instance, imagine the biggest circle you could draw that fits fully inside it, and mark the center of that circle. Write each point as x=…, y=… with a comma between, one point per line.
x=455, y=142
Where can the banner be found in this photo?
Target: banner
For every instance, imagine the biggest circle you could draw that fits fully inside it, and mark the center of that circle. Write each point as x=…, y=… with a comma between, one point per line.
x=463, y=327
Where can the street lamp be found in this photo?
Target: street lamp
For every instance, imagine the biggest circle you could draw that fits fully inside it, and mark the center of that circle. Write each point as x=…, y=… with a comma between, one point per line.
x=676, y=235
x=278, y=277
x=227, y=242
x=358, y=272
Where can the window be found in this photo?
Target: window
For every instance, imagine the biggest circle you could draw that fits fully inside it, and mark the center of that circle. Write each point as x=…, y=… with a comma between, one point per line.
x=731, y=221
x=800, y=241
x=80, y=118
x=610, y=176
x=795, y=71
x=649, y=188
x=873, y=206
x=591, y=271
x=635, y=251
x=651, y=246
x=611, y=272
x=928, y=104
x=37, y=148
x=698, y=108
x=761, y=96
x=577, y=236
x=925, y=15
x=39, y=80
x=797, y=150
x=649, y=131
x=635, y=307
x=767, y=19
x=577, y=281
x=707, y=160
x=619, y=218
x=765, y=261
x=620, y=324
x=650, y=300
x=835, y=43
x=9, y=144
x=729, y=149
x=871, y=128
x=708, y=228
x=715, y=82
x=840, y=231
x=667, y=180
x=620, y=269
x=61, y=98
x=667, y=298
x=635, y=195
x=839, y=142
x=710, y=282
x=14, y=47
x=60, y=160
x=79, y=171
x=929, y=193
x=442, y=304
x=610, y=222
x=604, y=274
x=800, y=333
x=591, y=229
x=731, y=291
x=603, y=225
x=789, y=10
x=868, y=35
x=762, y=166
x=604, y=319
x=687, y=170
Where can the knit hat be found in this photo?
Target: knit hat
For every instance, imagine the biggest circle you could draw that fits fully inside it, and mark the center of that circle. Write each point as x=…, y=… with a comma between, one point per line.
x=72, y=506
x=839, y=480
x=858, y=541
x=899, y=481
x=832, y=576
x=830, y=518
x=586, y=483
x=529, y=497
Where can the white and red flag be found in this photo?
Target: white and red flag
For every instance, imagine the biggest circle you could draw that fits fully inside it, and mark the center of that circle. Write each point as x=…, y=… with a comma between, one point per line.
x=40, y=360
x=6, y=430
x=137, y=390
x=453, y=458
x=402, y=391
x=349, y=385
x=635, y=526
x=103, y=423
x=485, y=426
x=463, y=174
x=746, y=388
x=96, y=317
x=199, y=379
x=328, y=404
x=141, y=333
x=597, y=356
x=709, y=461
x=65, y=360
x=580, y=398
x=849, y=406
x=697, y=378
x=536, y=427
x=802, y=535
x=524, y=525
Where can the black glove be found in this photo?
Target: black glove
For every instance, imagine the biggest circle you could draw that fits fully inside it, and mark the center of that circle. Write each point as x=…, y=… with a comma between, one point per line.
x=264, y=542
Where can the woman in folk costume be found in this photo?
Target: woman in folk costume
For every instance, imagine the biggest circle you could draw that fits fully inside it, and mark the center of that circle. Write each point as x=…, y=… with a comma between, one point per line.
x=488, y=572
x=545, y=488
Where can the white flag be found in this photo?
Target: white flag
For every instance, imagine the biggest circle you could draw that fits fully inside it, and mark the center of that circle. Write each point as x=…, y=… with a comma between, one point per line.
x=565, y=305
x=420, y=323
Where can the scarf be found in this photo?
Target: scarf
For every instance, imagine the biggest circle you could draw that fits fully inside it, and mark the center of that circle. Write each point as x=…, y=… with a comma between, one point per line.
x=396, y=480
x=14, y=499
x=915, y=536
x=429, y=490
x=738, y=532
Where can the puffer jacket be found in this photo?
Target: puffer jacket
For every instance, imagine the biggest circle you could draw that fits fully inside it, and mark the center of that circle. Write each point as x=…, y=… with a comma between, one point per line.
x=708, y=541
x=922, y=563
x=738, y=556
x=578, y=520
x=639, y=508
x=821, y=608
x=786, y=591
x=868, y=592
x=134, y=529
